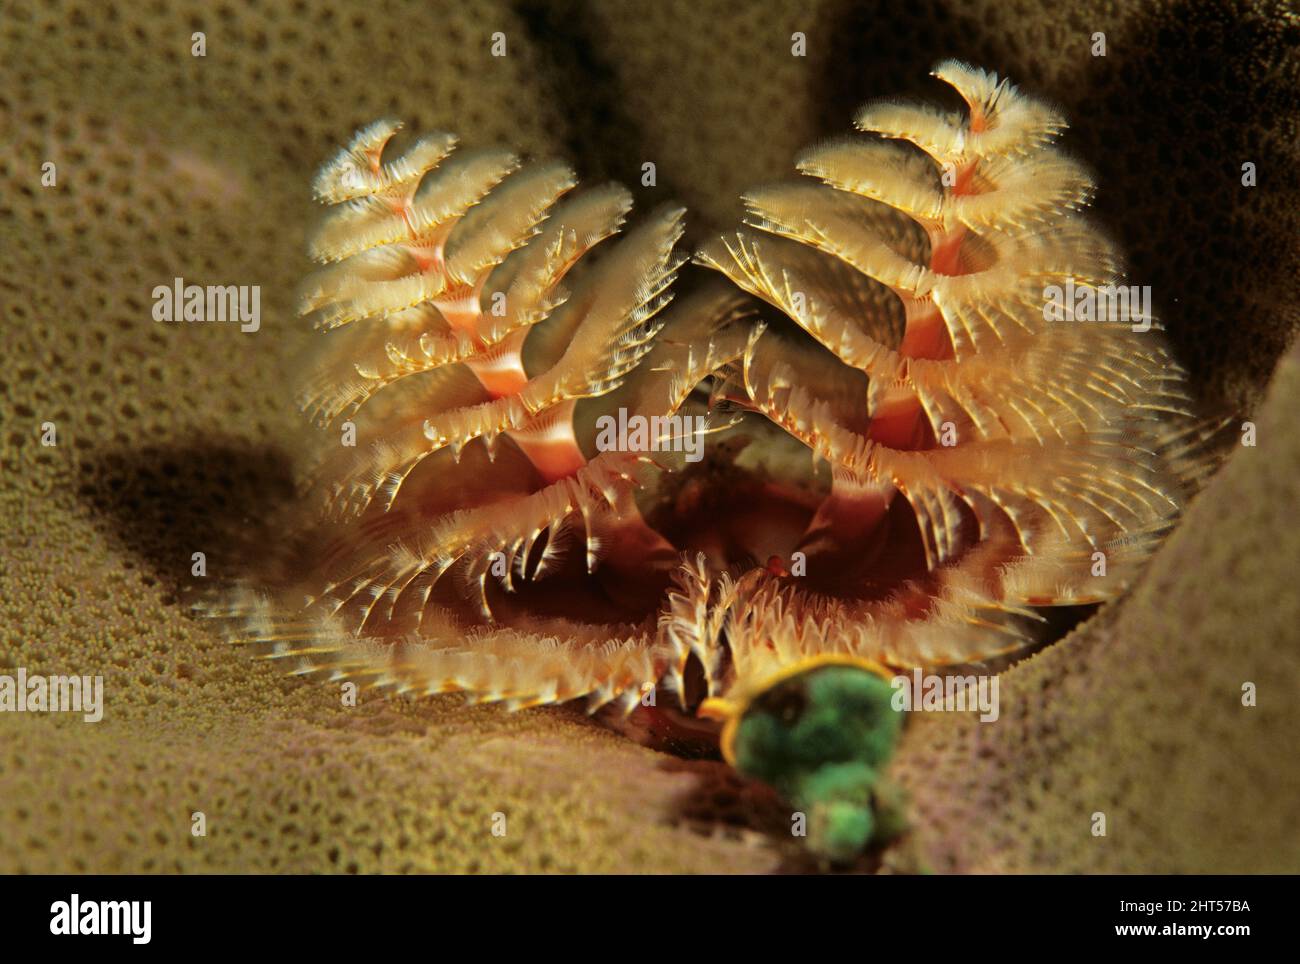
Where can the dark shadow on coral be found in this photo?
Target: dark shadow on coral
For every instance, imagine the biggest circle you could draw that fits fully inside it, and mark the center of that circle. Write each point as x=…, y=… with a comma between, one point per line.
x=604, y=140
x=723, y=803
x=164, y=503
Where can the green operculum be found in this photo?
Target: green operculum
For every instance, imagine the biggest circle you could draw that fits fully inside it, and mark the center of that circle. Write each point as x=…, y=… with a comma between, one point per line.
x=821, y=739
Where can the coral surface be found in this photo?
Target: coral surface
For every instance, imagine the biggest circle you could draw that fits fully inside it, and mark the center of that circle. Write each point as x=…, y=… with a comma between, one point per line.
x=170, y=165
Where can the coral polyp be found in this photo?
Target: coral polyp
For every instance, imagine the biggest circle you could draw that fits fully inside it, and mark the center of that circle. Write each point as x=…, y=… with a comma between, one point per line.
x=908, y=457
